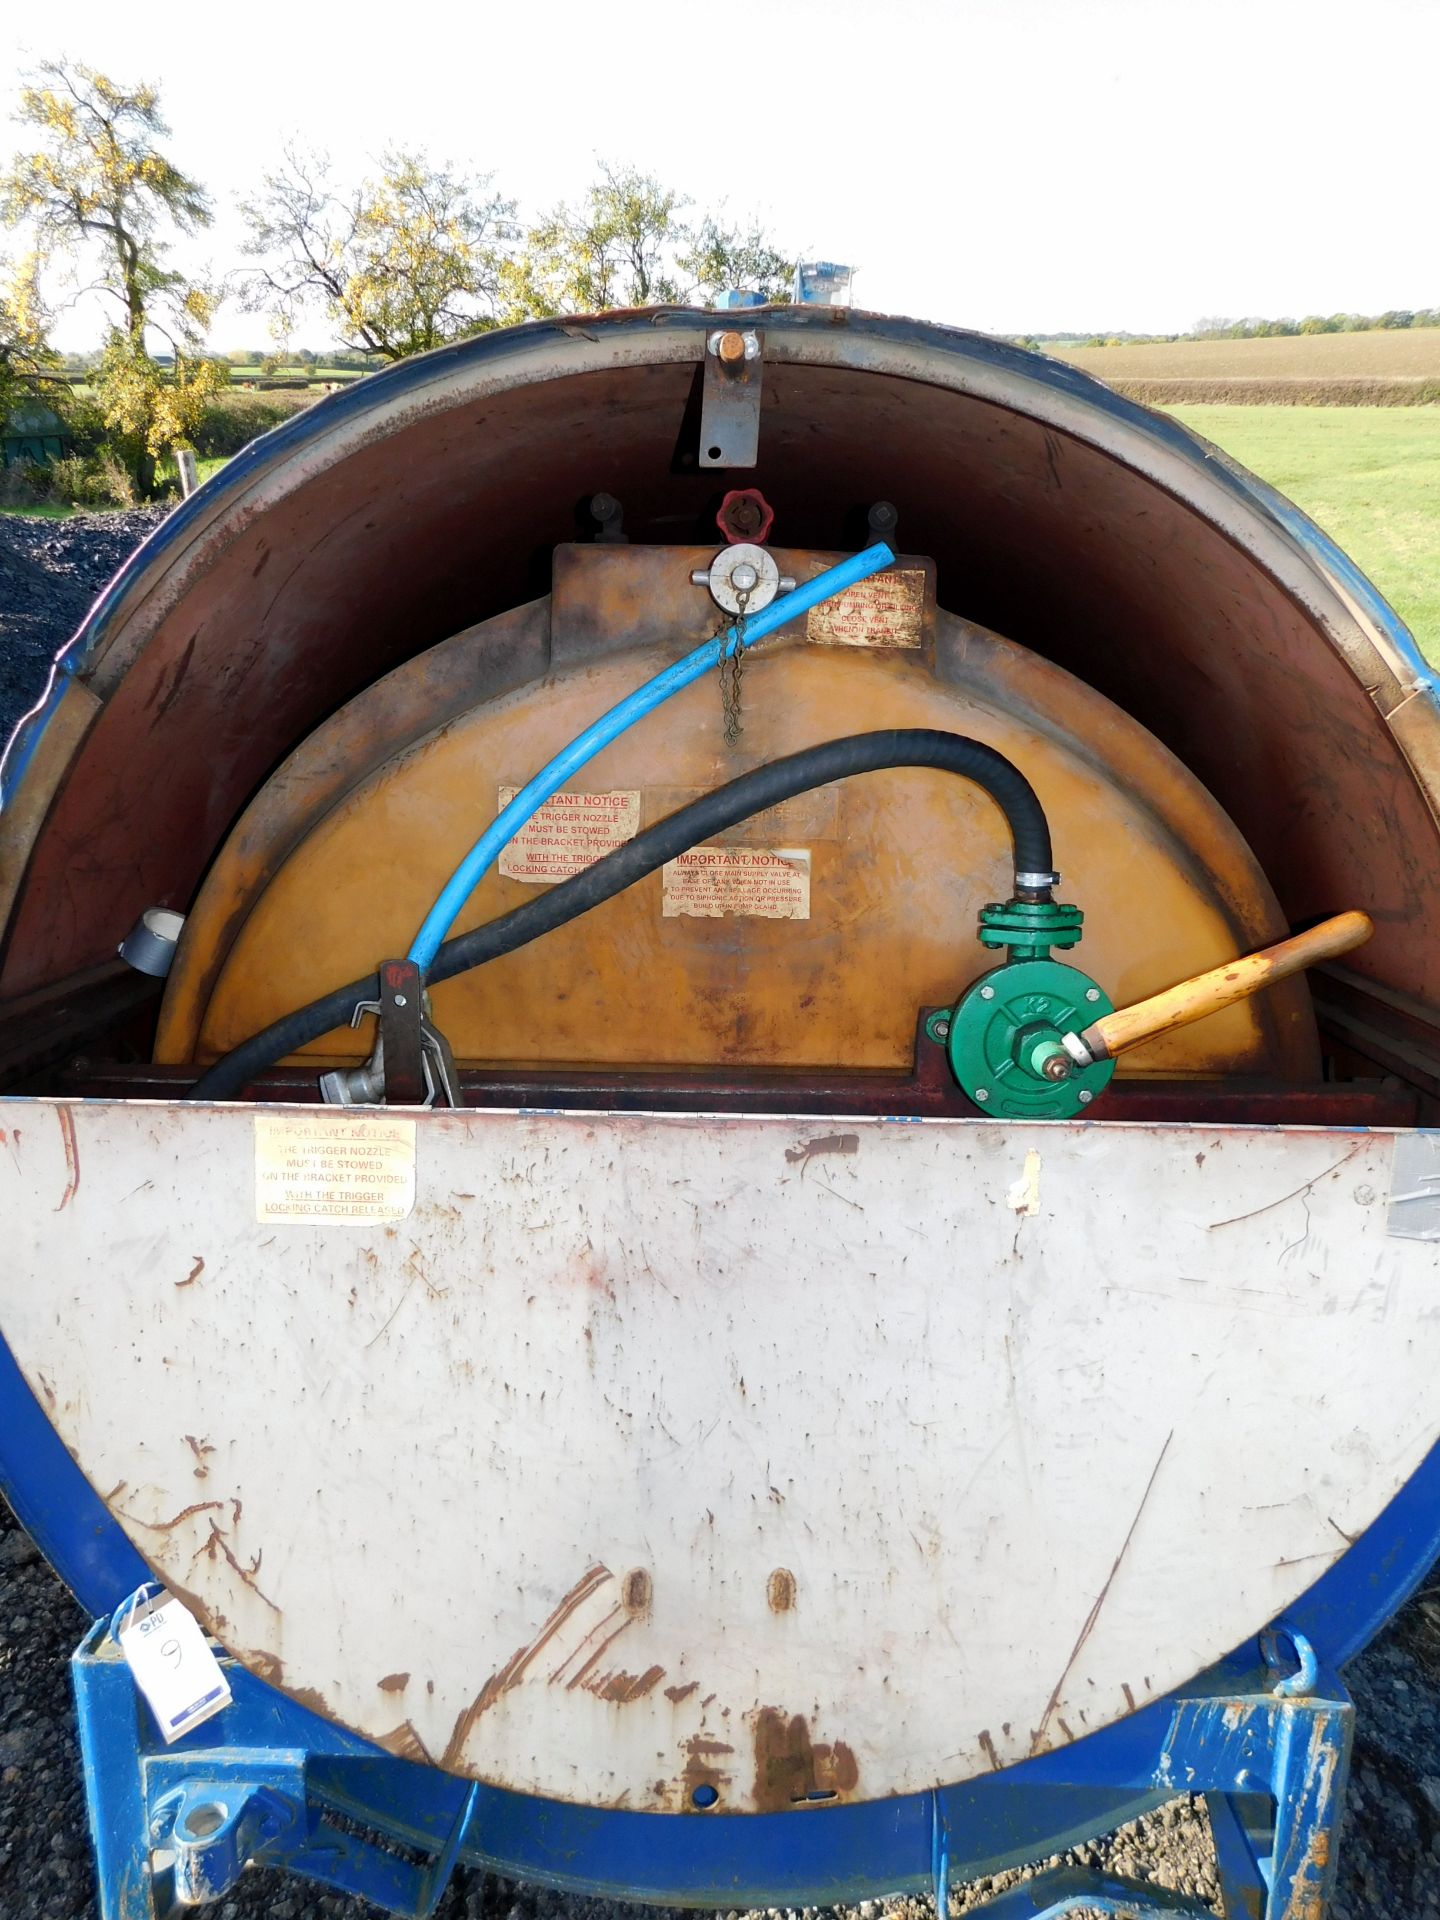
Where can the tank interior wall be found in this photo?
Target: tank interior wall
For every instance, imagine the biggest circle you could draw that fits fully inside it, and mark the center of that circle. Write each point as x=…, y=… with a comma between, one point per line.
x=333, y=569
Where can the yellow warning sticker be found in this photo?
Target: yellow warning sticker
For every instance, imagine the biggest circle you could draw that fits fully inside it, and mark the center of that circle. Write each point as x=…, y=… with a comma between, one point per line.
x=569, y=833
x=716, y=883
x=334, y=1166
x=887, y=610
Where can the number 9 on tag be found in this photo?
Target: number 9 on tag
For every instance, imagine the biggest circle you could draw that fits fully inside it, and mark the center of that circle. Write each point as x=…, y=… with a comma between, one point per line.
x=174, y=1665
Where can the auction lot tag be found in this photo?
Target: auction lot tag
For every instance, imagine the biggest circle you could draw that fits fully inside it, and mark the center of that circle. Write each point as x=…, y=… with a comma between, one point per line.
x=173, y=1665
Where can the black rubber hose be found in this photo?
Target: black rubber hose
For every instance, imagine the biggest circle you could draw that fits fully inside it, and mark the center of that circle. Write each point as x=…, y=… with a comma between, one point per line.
x=726, y=807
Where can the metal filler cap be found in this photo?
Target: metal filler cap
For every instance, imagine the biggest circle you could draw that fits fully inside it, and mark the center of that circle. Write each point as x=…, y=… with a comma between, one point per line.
x=742, y=569
x=149, y=947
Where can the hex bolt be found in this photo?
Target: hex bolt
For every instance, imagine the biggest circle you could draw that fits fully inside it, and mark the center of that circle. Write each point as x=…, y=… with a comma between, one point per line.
x=400, y=1000
x=982, y=1094
x=1086, y=1096
x=940, y=1028
x=883, y=519
x=987, y=993
x=1092, y=993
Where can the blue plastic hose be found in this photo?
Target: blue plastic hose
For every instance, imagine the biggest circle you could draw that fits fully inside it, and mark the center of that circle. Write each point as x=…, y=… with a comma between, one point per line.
x=552, y=777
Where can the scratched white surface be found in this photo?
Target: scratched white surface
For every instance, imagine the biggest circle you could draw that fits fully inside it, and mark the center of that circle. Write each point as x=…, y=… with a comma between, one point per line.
x=1026, y=1424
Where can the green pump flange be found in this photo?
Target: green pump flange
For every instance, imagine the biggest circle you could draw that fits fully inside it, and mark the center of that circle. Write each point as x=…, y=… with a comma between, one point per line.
x=1005, y=1038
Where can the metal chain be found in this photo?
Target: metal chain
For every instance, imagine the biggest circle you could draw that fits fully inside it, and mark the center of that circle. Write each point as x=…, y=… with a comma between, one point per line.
x=732, y=668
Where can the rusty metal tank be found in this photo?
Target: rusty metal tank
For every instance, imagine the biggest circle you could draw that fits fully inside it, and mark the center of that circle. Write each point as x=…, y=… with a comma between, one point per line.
x=715, y=1412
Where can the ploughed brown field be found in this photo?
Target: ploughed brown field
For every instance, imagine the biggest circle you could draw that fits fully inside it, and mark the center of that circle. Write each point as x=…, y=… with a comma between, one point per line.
x=1383, y=368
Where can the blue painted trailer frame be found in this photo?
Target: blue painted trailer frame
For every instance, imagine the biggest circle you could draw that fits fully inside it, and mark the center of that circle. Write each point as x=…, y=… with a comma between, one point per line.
x=268, y=1781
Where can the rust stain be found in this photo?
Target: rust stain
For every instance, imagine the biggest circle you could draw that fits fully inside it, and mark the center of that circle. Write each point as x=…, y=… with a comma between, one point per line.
x=394, y=1683
x=589, y=1271
x=177, y=680
x=791, y=1766
x=210, y=1618
x=308, y=1697
x=1129, y=1696
x=827, y=1143
x=676, y=1694
x=1308, y=1892
x=702, y=1765
x=636, y=1591
x=264, y=1666
x=1052, y=465
x=169, y=1526
x=405, y=1743
x=72, y=1157
x=217, y=1543
x=200, y=1449
x=621, y=1687
x=988, y=1748
x=194, y=1273
x=514, y=1670
x=780, y=1590
x=1038, y=1741
x=581, y=1678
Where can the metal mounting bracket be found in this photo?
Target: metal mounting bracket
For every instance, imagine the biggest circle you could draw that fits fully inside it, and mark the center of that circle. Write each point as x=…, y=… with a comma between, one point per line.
x=412, y=1065
x=730, y=398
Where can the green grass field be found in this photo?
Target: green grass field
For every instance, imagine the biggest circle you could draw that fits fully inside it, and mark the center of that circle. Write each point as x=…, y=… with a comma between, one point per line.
x=1370, y=476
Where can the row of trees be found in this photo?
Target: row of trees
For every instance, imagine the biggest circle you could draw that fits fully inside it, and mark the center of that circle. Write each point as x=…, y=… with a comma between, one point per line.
x=1394, y=318
x=413, y=256
x=1216, y=329
x=417, y=254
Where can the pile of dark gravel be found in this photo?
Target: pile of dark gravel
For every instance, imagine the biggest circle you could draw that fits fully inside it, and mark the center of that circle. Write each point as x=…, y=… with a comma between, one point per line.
x=1390, y=1853
x=50, y=572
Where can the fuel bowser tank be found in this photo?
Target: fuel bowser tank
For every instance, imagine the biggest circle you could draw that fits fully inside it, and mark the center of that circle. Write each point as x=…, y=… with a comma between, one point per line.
x=876, y=1237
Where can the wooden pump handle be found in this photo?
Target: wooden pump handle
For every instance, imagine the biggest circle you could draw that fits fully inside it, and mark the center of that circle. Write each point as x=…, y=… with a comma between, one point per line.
x=1223, y=986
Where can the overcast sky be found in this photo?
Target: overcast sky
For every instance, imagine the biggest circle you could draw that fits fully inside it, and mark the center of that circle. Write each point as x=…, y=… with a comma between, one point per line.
x=1013, y=165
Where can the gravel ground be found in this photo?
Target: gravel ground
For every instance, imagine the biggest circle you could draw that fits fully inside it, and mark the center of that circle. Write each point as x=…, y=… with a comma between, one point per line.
x=50, y=571
x=1390, y=1854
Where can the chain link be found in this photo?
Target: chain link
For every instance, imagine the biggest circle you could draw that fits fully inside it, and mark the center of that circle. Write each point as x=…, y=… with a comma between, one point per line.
x=732, y=668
